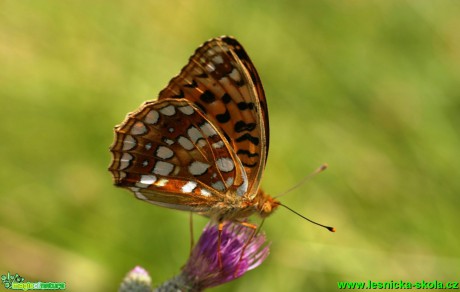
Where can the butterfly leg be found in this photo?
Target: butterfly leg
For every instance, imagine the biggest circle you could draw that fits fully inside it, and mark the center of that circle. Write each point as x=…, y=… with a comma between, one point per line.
x=256, y=230
x=249, y=225
x=219, y=239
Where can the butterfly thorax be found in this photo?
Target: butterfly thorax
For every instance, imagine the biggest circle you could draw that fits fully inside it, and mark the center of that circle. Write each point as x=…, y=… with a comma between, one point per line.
x=236, y=208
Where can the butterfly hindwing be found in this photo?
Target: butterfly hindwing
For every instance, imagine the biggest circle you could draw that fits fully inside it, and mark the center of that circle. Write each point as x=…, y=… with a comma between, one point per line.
x=169, y=154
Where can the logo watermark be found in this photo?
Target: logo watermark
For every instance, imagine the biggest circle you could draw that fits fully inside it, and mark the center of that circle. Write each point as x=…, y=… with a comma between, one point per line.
x=16, y=282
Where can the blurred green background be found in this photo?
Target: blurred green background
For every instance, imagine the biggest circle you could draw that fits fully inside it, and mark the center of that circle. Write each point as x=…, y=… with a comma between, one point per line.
x=370, y=87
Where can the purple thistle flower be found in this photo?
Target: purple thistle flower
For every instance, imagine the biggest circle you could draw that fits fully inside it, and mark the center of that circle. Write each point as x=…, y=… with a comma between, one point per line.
x=203, y=270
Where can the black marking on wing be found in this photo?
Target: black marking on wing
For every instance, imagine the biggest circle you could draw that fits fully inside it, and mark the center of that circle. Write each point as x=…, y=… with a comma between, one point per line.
x=253, y=140
x=180, y=95
x=245, y=105
x=227, y=137
x=241, y=126
x=223, y=118
x=240, y=83
x=191, y=85
x=207, y=97
x=238, y=50
x=254, y=77
x=226, y=98
x=202, y=75
x=249, y=165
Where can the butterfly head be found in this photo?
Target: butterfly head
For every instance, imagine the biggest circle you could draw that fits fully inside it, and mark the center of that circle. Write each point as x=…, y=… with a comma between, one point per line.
x=266, y=204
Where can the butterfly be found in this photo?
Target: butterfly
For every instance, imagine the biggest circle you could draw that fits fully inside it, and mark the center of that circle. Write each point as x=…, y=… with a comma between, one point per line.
x=202, y=145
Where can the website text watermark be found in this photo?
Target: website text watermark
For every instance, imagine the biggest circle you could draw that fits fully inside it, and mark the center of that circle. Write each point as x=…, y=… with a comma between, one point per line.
x=397, y=285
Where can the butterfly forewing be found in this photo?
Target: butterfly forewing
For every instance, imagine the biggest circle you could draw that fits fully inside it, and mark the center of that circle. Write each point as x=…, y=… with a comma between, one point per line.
x=169, y=154
x=222, y=82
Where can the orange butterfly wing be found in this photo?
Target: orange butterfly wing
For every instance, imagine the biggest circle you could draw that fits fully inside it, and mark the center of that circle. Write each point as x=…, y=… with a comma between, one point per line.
x=205, y=138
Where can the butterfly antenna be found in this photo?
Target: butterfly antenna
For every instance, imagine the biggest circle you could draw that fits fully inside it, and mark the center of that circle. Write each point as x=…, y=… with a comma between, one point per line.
x=331, y=229
x=304, y=180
